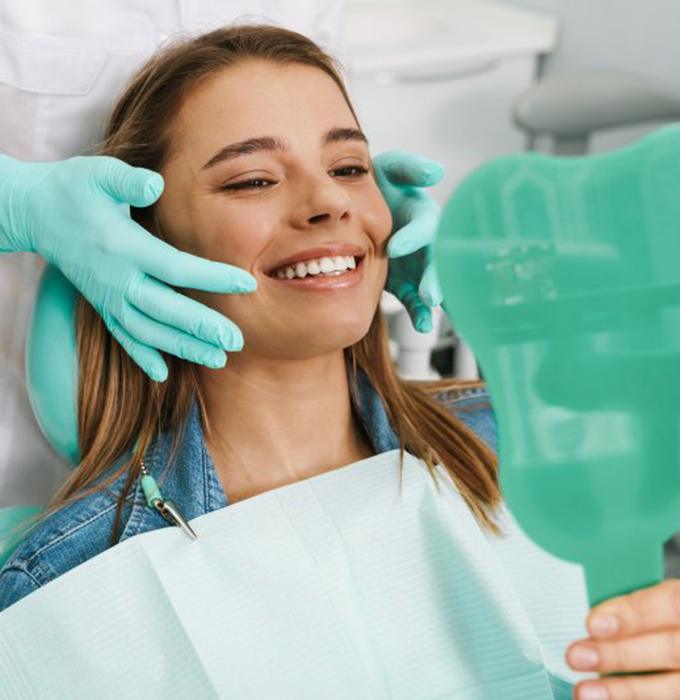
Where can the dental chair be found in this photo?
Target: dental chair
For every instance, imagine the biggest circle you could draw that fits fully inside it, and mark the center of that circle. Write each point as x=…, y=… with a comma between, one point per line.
x=571, y=105
x=51, y=375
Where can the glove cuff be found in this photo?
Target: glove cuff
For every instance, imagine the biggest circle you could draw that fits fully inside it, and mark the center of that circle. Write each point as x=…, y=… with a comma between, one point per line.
x=13, y=194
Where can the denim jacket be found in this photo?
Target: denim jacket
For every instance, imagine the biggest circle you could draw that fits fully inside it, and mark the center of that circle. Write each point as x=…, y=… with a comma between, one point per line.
x=83, y=529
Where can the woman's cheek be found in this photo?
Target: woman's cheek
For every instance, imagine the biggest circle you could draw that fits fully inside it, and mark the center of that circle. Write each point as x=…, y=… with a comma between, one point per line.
x=234, y=235
x=378, y=219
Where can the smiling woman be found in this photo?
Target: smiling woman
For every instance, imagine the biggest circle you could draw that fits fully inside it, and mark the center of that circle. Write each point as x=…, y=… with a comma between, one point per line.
x=266, y=168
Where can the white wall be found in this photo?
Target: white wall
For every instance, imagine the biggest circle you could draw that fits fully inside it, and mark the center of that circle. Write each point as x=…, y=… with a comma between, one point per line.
x=461, y=123
x=638, y=35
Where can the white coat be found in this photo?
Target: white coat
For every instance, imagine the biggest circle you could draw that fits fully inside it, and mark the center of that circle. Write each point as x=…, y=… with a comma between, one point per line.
x=62, y=66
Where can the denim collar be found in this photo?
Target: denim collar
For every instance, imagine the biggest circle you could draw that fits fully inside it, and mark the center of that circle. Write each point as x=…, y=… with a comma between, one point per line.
x=191, y=480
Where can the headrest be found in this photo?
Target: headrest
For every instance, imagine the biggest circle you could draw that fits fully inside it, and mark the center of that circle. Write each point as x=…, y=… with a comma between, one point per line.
x=51, y=362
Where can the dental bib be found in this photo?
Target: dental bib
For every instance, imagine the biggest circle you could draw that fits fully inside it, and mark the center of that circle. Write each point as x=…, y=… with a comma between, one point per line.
x=351, y=584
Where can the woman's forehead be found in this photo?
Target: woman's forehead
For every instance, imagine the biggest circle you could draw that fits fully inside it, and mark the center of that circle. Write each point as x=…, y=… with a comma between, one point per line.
x=257, y=98
x=296, y=104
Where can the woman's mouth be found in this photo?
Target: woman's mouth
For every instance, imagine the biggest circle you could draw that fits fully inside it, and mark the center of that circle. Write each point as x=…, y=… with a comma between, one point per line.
x=325, y=273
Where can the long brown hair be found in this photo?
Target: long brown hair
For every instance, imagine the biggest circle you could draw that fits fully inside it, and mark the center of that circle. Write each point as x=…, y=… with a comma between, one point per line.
x=121, y=409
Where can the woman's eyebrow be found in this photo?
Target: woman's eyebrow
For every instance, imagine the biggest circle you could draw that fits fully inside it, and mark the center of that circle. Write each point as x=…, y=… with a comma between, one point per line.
x=272, y=143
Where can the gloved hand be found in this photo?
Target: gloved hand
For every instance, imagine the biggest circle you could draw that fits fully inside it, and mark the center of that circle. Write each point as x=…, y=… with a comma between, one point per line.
x=75, y=213
x=411, y=273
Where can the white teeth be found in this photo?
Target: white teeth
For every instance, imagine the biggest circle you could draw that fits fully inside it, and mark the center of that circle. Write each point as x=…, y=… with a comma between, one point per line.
x=326, y=265
x=340, y=262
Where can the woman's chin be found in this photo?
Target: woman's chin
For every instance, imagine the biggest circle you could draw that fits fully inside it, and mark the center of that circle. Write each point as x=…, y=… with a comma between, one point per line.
x=323, y=343
x=312, y=337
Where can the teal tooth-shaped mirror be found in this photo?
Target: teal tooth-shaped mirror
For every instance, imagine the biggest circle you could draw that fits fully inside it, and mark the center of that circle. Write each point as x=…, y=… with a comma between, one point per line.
x=563, y=275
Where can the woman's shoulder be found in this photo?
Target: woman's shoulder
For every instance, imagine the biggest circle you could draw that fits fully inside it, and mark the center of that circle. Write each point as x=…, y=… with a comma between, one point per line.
x=68, y=537
x=468, y=400
x=84, y=528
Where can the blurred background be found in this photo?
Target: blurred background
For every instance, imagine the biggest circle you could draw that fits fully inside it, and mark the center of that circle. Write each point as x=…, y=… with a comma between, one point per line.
x=465, y=81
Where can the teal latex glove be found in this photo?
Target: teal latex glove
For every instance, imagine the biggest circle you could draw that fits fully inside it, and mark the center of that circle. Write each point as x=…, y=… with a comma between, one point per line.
x=76, y=214
x=411, y=273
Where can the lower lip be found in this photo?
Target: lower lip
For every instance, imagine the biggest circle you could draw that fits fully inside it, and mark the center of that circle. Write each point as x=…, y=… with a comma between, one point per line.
x=349, y=278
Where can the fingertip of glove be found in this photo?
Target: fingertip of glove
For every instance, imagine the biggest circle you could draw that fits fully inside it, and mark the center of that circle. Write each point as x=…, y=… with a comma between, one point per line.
x=433, y=170
x=153, y=187
x=423, y=323
x=231, y=340
x=247, y=284
x=158, y=374
x=215, y=360
x=399, y=248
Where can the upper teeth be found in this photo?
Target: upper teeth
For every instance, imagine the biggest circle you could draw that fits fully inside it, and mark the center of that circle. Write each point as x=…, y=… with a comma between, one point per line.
x=317, y=266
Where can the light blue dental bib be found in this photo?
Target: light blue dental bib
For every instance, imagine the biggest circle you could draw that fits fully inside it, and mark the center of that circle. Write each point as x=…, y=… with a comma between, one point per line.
x=339, y=586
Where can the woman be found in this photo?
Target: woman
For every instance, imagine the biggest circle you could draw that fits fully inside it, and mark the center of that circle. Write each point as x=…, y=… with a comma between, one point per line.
x=265, y=168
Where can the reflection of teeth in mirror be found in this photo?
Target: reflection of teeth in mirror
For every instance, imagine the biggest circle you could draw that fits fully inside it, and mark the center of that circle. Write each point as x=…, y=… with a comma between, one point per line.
x=325, y=266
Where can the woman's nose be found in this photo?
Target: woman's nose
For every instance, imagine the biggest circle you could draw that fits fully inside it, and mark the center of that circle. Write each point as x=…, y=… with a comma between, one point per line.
x=324, y=202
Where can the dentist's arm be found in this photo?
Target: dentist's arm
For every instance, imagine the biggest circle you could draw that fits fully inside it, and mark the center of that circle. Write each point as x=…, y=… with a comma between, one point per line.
x=75, y=213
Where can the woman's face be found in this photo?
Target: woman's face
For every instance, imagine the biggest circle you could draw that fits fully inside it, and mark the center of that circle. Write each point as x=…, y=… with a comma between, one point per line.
x=265, y=205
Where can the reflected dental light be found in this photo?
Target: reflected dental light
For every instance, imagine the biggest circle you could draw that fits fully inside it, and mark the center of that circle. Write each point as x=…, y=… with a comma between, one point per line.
x=563, y=275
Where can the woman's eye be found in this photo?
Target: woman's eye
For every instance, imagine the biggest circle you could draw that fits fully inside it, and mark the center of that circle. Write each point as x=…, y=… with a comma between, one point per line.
x=258, y=183
x=253, y=183
x=358, y=170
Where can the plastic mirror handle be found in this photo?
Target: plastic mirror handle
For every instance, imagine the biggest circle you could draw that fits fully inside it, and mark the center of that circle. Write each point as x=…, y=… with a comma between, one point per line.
x=563, y=275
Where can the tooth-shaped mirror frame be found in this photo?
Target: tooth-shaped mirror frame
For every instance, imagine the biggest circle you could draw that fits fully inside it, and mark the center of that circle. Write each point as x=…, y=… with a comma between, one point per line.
x=535, y=255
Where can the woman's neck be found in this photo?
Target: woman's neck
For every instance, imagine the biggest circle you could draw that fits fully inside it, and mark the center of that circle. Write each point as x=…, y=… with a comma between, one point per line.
x=276, y=422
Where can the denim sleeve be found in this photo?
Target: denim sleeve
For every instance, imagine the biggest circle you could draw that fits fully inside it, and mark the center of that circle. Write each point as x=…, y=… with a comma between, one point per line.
x=478, y=414
x=14, y=585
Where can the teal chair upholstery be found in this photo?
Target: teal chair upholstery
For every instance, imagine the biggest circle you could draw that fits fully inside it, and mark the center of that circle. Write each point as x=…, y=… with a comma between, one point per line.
x=51, y=380
x=12, y=525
